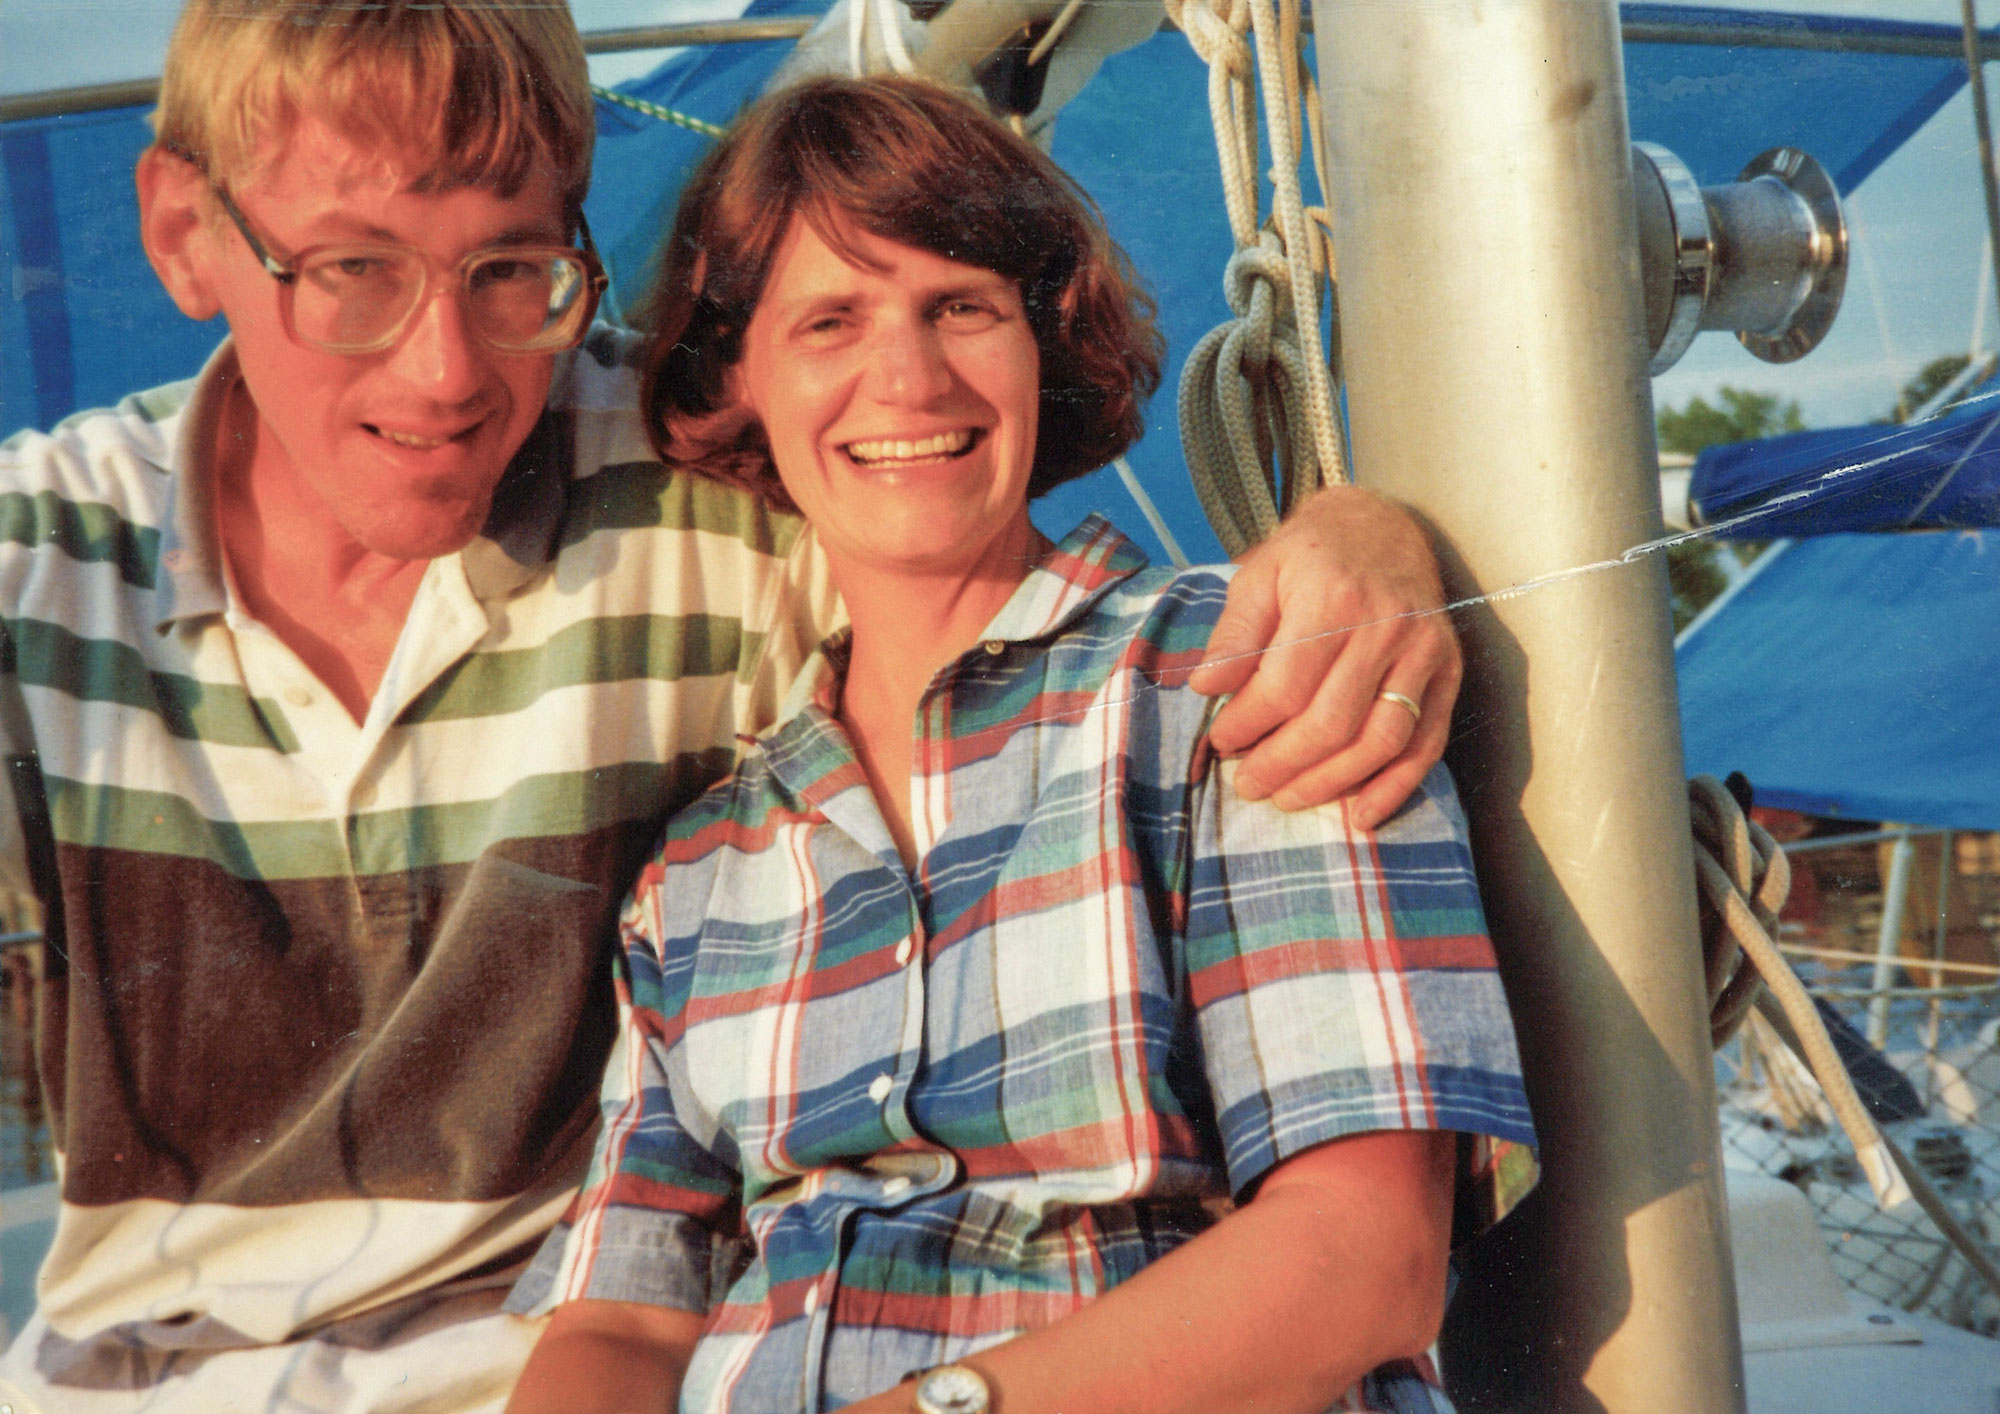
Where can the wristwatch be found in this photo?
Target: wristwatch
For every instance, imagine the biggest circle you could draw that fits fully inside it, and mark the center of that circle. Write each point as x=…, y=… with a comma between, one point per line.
x=953, y=1389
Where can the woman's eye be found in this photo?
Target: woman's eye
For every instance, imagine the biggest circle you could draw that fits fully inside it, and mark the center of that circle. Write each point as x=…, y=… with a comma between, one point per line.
x=968, y=314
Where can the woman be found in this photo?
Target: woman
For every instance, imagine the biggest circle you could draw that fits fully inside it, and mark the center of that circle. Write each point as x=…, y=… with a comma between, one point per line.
x=960, y=1015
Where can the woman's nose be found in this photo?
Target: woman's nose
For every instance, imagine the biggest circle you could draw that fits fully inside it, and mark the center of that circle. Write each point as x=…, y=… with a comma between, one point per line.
x=907, y=363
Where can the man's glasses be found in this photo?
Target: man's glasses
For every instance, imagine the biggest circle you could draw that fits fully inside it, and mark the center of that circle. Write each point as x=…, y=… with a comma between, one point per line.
x=358, y=298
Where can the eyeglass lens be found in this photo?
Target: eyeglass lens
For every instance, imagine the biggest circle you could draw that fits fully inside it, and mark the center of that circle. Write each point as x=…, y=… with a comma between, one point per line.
x=353, y=298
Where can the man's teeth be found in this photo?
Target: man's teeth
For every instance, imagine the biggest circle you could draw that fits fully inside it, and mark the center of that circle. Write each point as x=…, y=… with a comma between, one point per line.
x=944, y=444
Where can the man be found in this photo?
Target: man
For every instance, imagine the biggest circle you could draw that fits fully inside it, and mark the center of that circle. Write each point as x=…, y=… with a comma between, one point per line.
x=347, y=684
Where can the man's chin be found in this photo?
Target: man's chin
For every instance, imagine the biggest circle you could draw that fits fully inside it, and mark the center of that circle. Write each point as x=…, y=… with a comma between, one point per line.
x=425, y=533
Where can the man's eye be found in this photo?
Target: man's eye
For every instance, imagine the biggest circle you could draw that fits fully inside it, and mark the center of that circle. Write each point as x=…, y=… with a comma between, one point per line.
x=504, y=272
x=353, y=273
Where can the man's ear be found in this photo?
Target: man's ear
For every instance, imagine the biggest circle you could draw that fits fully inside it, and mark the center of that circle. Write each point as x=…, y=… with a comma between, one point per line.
x=175, y=226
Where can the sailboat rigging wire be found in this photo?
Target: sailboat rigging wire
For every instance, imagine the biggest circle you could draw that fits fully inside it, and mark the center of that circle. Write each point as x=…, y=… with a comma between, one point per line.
x=1982, y=122
x=135, y=93
x=655, y=110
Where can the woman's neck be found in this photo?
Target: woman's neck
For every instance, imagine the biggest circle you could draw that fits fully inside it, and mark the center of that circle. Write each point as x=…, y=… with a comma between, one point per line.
x=907, y=624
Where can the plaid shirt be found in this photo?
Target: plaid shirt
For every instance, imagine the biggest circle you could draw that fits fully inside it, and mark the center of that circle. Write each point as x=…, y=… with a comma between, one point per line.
x=871, y=1122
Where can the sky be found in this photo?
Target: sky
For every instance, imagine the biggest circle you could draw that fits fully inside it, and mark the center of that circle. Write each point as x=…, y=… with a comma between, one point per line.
x=1918, y=222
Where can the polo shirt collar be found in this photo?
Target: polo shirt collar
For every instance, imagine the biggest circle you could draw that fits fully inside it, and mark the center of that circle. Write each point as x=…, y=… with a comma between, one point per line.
x=520, y=537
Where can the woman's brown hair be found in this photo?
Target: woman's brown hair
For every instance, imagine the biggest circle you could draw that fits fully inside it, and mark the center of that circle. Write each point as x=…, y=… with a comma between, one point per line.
x=909, y=162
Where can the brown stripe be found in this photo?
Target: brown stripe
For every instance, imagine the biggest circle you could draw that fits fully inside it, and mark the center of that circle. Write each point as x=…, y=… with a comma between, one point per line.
x=435, y=1036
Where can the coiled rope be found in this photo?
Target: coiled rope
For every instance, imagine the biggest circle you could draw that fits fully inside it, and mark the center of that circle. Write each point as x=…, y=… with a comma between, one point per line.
x=1742, y=878
x=1258, y=389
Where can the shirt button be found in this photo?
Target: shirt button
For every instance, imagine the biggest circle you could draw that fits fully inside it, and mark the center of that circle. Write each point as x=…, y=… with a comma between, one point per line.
x=995, y=647
x=812, y=1299
x=298, y=696
x=879, y=1088
x=895, y=1186
x=904, y=951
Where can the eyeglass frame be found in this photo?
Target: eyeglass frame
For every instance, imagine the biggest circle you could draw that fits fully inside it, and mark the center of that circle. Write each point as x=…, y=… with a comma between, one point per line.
x=287, y=276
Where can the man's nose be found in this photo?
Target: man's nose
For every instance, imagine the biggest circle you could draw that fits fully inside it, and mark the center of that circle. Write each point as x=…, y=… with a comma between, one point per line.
x=907, y=363
x=438, y=352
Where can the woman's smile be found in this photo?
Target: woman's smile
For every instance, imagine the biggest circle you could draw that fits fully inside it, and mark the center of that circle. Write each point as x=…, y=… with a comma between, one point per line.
x=885, y=453
x=899, y=390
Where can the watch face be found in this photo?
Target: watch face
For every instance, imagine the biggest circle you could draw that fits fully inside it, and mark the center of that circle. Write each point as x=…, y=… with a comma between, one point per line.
x=951, y=1389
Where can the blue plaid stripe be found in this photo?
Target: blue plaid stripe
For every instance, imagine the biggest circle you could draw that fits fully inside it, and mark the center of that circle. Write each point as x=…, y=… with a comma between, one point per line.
x=966, y=1103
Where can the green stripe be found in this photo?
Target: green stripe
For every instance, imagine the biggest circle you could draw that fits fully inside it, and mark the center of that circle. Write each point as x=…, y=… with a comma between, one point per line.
x=387, y=842
x=610, y=649
x=155, y=822
x=158, y=404
x=86, y=531
x=643, y=495
x=559, y=804
x=101, y=670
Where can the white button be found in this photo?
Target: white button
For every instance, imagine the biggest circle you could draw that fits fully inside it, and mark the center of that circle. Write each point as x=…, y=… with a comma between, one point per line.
x=903, y=951
x=298, y=696
x=879, y=1088
x=812, y=1299
x=894, y=1186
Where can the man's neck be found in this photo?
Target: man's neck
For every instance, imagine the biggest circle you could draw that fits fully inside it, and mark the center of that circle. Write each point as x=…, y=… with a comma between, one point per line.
x=337, y=605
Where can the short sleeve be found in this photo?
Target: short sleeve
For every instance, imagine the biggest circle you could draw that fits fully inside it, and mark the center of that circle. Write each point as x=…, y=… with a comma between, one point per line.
x=654, y=1222
x=1341, y=979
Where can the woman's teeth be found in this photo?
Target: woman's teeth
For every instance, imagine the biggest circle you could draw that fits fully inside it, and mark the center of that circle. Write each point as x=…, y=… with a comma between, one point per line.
x=944, y=444
x=408, y=439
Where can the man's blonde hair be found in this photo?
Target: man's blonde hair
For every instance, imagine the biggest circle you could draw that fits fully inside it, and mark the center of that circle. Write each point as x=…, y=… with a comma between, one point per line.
x=490, y=92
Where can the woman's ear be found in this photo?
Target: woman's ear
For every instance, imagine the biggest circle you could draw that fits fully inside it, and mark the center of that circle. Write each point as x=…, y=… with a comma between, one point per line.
x=176, y=227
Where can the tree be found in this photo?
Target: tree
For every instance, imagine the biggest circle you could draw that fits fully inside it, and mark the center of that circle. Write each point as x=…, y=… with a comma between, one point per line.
x=1744, y=416
x=1694, y=572
x=1928, y=383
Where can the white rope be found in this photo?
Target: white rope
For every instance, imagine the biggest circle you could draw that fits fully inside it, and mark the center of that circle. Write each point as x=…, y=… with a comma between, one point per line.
x=892, y=37
x=1742, y=878
x=857, y=37
x=1151, y=512
x=1054, y=32
x=1257, y=389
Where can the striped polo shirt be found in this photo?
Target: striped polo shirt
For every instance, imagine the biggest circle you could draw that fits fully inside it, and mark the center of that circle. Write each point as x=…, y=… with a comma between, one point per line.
x=329, y=1002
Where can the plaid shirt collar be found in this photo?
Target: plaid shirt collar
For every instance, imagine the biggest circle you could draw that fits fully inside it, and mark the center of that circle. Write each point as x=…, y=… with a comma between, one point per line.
x=808, y=751
x=1058, y=590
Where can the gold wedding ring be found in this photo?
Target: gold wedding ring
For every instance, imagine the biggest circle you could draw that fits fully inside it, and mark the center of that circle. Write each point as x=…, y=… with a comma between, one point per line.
x=1408, y=704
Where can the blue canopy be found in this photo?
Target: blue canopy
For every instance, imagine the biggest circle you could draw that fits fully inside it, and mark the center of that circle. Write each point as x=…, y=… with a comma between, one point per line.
x=1856, y=676
x=1940, y=473
x=89, y=323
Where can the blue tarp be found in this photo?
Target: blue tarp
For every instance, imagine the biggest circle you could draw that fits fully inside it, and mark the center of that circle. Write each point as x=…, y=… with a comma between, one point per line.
x=88, y=323
x=1940, y=473
x=1856, y=676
